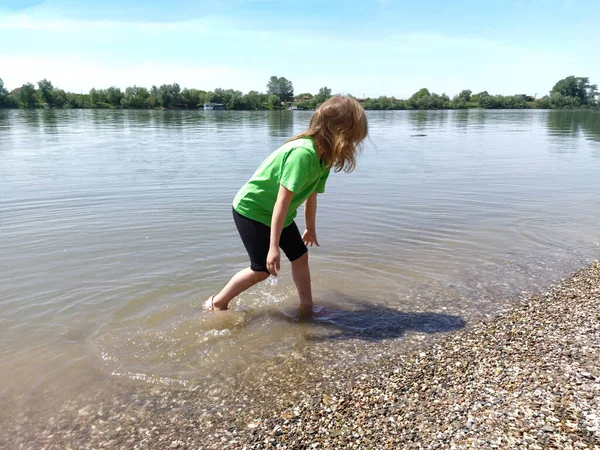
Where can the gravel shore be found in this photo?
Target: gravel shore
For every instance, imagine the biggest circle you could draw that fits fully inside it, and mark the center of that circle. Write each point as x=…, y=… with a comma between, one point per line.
x=529, y=379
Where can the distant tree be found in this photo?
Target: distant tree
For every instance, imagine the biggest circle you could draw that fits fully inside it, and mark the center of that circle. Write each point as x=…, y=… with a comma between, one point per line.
x=231, y=98
x=254, y=100
x=84, y=100
x=544, y=102
x=3, y=94
x=94, y=96
x=281, y=87
x=570, y=92
x=114, y=96
x=11, y=101
x=77, y=101
x=576, y=87
x=135, y=97
x=465, y=95
x=457, y=103
x=489, y=102
x=234, y=99
x=273, y=86
x=193, y=98
x=170, y=96
x=59, y=98
x=371, y=103
x=386, y=103
x=323, y=95
x=420, y=99
x=98, y=98
x=273, y=102
x=305, y=94
x=421, y=93
x=559, y=100
x=46, y=92
x=568, y=87
x=27, y=97
x=214, y=96
x=477, y=97
x=155, y=97
x=50, y=96
x=443, y=101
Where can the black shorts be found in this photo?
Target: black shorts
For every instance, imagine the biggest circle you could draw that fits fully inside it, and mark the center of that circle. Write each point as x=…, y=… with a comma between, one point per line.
x=256, y=237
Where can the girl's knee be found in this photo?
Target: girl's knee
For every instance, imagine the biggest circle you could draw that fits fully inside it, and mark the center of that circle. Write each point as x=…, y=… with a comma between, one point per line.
x=261, y=276
x=302, y=260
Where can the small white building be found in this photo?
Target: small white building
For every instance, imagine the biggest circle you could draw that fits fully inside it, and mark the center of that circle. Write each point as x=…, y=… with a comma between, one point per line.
x=212, y=106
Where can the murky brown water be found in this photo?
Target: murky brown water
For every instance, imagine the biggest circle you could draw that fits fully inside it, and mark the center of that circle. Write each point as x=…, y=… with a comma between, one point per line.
x=116, y=225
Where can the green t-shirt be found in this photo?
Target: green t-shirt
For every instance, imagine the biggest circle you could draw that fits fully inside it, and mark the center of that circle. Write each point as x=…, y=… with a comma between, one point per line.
x=294, y=165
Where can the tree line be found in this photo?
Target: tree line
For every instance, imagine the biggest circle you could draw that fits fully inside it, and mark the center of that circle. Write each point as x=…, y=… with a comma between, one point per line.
x=570, y=92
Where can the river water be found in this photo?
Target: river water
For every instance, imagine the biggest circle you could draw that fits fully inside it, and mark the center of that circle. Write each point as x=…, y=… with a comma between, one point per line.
x=116, y=225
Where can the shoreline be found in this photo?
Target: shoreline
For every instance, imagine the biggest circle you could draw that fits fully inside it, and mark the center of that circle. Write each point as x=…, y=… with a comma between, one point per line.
x=474, y=108
x=528, y=378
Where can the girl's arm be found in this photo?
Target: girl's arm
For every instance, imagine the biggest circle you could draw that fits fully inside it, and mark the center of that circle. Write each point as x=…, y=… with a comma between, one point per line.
x=310, y=212
x=284, y=198
x=310, y=217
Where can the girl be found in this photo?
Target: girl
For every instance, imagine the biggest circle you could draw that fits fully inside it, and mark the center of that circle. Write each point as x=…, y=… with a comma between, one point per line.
x=264, y=209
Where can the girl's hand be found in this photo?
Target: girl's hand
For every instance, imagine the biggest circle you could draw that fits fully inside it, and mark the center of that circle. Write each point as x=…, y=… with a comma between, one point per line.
x=310, y=237
x=273, y=261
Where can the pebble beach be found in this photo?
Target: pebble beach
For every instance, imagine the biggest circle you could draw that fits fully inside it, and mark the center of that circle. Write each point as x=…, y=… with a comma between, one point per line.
x=527, y=379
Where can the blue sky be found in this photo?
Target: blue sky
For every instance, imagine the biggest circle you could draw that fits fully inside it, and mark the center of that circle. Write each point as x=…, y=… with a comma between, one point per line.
x=370, y=47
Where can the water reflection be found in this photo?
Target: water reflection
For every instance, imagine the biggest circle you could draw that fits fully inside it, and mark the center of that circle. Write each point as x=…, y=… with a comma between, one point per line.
x=108, y=118
x=426, y=120
x=564, y=126
x=171, y=119
x=570, y=123
x=478, y=118
x=562, y=123
x=30, y=118
x=142, y=118
x=50, y=121
x=461, y=119
x=4, y=119
x=281, y=123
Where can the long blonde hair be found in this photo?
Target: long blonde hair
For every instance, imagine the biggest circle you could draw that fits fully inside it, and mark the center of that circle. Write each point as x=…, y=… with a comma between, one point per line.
x=338, y=127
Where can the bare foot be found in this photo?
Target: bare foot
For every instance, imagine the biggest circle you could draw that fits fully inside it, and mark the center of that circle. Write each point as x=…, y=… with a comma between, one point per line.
x=319, y=312
x=305, y=313
x=210, y=305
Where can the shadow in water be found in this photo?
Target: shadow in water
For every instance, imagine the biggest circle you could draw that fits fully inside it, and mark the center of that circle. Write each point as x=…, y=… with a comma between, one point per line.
x=367, y=321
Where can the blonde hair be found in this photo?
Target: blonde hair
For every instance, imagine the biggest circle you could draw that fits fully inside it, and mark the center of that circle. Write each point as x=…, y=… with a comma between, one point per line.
x=338, y=127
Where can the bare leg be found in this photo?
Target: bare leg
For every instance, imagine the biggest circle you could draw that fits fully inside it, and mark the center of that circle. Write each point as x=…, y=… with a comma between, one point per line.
x=301, y=275
x=241, y=281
